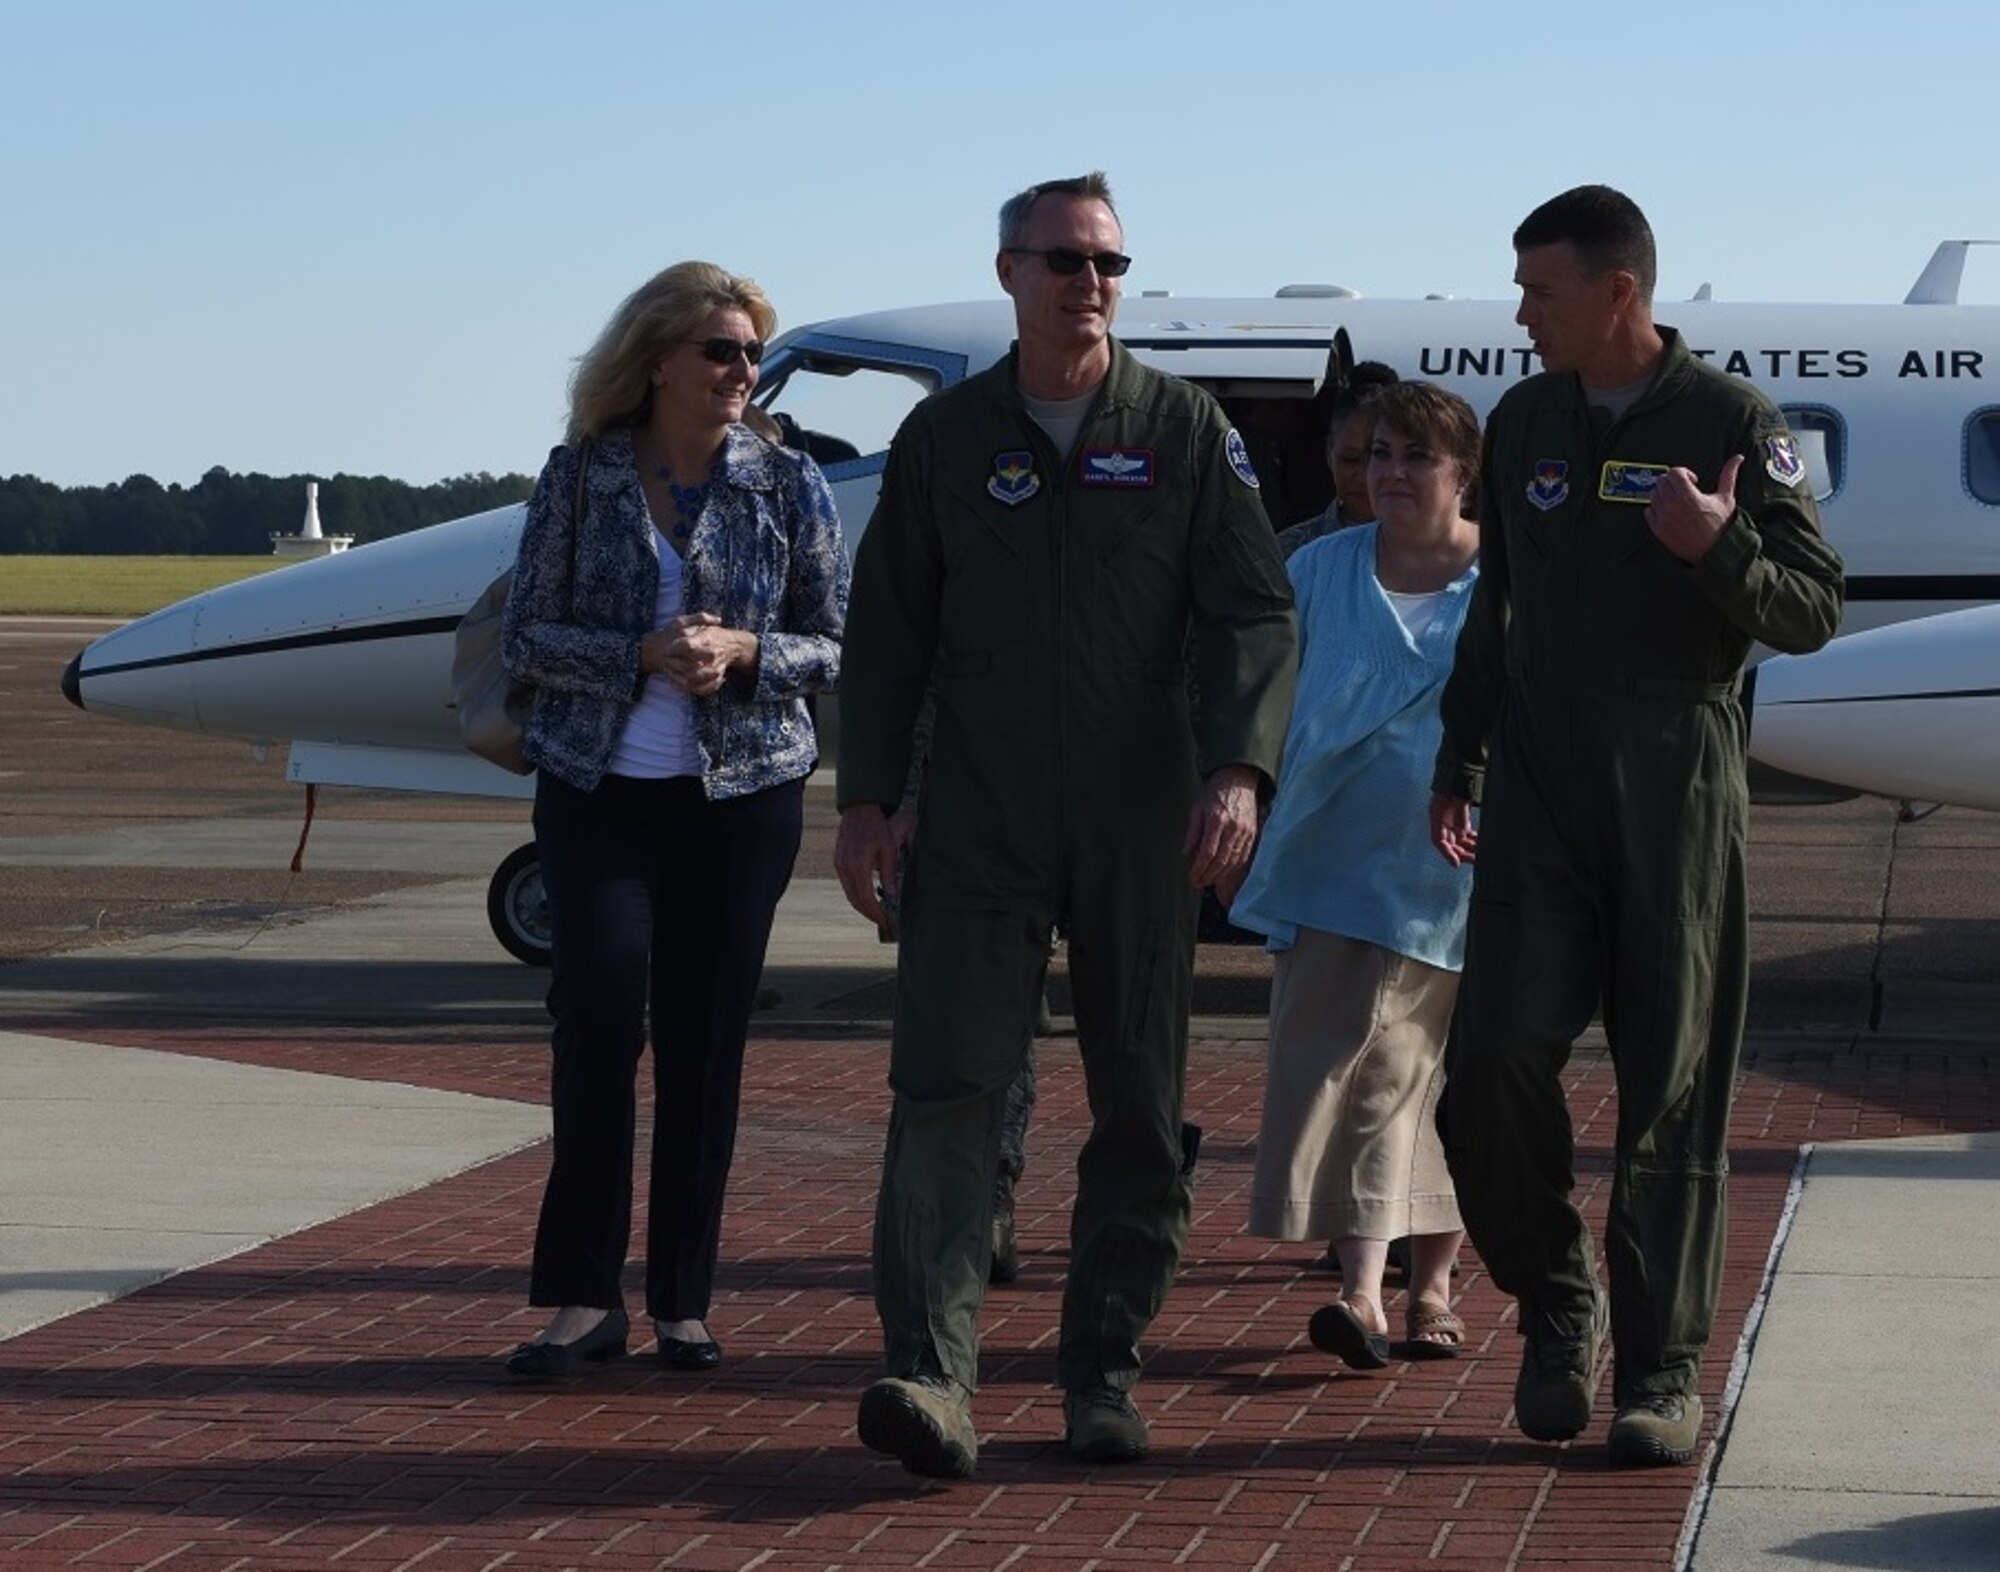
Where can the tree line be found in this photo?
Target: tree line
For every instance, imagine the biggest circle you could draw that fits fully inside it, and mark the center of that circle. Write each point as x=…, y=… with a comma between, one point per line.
x=229, y=515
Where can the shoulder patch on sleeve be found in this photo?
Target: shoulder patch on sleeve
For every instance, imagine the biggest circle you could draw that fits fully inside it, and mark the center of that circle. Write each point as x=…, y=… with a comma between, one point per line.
x=1239, y=458
x=1782, y=461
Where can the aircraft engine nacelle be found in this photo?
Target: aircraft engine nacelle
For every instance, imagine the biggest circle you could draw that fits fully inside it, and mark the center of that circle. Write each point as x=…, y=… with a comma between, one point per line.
x=1910, y=711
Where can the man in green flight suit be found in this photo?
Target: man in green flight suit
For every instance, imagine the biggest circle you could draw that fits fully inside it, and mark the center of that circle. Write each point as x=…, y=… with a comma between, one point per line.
x=1644, y=519
x=1060, y=533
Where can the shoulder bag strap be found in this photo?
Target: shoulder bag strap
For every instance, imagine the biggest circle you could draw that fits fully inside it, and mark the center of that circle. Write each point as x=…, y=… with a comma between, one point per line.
x=577, y=508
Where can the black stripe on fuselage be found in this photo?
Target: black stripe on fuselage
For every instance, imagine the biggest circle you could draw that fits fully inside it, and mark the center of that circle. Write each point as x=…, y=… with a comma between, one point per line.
x=1923, y=586
x=1175, y=341
x=1873, y=587
x=419, y=627
x=1892, y=698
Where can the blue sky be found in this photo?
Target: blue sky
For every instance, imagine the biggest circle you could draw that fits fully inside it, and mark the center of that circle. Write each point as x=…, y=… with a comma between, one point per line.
x=372, y=237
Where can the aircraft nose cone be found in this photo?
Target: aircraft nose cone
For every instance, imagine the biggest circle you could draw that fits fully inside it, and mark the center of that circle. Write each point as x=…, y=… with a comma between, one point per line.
x=72, y=680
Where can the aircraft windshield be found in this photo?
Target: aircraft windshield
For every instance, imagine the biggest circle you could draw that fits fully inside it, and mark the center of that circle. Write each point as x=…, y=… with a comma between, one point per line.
x=845, y=399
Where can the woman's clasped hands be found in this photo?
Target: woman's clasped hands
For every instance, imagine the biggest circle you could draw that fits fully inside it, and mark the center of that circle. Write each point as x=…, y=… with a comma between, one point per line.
x=696, y=653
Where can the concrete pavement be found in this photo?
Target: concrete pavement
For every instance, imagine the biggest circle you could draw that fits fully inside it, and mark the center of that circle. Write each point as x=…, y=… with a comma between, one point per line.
x=1866, y=1431
x=332, y=1392
x=1860, y=1432
x=119, y=1166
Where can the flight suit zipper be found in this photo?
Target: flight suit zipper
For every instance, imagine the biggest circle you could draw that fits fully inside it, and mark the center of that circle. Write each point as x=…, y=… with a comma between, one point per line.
x=1044, y=445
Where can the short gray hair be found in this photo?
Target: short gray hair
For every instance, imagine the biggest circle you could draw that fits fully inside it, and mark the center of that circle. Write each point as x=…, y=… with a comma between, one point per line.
x=1093, y=187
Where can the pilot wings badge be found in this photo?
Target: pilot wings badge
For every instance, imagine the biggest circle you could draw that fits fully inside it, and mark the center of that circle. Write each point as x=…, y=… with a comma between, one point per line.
x=1013, y=480
x=1115, y=466
x=1550, y=487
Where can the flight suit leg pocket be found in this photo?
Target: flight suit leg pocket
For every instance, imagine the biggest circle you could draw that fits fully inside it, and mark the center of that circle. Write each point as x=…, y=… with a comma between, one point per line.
x=966, y=982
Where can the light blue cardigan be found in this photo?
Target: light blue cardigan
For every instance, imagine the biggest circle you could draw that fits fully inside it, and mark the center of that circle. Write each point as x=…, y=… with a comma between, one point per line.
x=1347, y=847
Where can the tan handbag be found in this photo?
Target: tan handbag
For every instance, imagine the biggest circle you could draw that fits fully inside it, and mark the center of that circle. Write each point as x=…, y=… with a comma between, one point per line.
x=493, y=707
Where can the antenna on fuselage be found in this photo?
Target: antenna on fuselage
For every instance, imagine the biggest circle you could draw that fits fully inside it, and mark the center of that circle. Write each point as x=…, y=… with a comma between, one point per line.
x=1938, y=284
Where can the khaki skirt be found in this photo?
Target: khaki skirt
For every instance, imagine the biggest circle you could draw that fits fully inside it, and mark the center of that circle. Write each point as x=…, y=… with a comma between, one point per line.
x=1348, y=1146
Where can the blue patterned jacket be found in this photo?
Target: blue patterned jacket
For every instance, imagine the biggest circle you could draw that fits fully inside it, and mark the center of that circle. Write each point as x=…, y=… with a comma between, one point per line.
x=765, y=556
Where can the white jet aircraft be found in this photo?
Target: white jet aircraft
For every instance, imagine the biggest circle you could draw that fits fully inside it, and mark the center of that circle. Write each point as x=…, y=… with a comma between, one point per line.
x=1897, y=409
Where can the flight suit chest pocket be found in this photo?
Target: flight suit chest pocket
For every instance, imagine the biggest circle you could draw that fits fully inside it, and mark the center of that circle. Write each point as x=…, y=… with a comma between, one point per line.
x=1115, y=526
x=1621, y=484
x=972, y=524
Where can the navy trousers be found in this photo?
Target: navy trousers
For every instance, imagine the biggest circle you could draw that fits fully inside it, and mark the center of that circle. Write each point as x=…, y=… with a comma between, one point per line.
x=661, y=902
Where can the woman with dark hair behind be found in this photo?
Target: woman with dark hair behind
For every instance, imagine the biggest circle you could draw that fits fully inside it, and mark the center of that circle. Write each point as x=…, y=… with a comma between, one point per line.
x=1348, y=434
x=1367, y=921
x=680, y=589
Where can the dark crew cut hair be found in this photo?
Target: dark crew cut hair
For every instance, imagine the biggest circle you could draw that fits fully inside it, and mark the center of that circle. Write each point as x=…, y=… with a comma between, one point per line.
x=1094, y=187
x=1606, y=227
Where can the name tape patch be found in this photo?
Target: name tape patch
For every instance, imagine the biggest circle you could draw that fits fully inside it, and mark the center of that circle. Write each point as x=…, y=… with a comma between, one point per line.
x=1623, y=481
x=1116, y=467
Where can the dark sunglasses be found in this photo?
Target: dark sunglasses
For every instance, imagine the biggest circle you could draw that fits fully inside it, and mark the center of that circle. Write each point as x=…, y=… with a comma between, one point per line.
x=1067, y=261
x=723, y=351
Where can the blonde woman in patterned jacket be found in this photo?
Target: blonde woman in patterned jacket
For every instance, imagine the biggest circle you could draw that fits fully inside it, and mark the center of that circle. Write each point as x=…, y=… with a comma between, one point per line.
x=672, y=627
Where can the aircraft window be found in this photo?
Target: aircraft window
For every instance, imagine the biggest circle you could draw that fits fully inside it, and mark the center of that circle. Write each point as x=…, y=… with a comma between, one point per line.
x=1822, y=438
x=844, y=409
x=1982, y=455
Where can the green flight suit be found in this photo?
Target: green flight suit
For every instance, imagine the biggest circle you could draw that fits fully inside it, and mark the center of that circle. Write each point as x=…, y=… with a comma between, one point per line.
x=1592, y=712
x=1061, y=600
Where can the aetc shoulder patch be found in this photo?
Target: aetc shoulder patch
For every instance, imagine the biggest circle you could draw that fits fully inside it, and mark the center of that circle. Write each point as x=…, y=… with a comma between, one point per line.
x=1550, y=484
x=1013, y=480
x=1782, y=461
x=1239, y=458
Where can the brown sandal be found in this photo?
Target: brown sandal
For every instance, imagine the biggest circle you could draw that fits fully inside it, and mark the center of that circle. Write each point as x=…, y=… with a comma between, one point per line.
x=1431, y=1330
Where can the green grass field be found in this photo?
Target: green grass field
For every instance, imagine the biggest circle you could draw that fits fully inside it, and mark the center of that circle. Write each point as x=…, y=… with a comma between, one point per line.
x=114, y=586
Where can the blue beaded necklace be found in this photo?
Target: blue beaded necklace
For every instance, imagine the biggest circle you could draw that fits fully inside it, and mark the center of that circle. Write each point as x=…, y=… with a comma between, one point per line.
x=687, y=501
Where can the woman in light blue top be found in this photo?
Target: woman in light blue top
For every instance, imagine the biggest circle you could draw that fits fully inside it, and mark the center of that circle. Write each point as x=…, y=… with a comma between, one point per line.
x=1367, y=921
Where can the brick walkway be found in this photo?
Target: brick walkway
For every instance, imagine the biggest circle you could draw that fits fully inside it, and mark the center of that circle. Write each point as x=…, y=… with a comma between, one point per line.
x=335, y=1398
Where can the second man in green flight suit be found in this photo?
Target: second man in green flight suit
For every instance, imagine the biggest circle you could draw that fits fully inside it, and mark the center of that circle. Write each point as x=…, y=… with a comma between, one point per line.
x=1644, y=519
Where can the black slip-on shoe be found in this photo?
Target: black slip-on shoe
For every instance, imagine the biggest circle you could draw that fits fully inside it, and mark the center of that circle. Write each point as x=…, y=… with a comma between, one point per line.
x=603, y=1343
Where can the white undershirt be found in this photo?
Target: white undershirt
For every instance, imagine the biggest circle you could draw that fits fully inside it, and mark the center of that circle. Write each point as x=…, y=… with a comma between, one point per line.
x=658, y=740
x=1061, y=418
x=1615, y=401
x=1415, y=611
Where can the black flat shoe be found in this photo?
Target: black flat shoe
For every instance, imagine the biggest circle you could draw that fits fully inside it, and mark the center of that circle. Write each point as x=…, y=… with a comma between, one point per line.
x=1335, y=1329
x=603, y=1343
x=680, y=1353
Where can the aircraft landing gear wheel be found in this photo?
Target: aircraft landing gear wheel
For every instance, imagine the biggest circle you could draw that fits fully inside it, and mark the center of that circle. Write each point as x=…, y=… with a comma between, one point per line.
x=518, y=907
